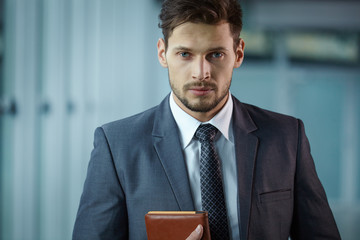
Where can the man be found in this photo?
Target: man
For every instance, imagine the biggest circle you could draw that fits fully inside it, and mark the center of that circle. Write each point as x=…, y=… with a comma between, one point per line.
x=155, y=160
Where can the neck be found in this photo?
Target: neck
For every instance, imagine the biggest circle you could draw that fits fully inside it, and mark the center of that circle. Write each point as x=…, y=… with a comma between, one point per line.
x=202, y=116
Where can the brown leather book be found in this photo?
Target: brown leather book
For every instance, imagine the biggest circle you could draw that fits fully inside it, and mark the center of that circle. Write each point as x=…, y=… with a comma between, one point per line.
x=175, y=225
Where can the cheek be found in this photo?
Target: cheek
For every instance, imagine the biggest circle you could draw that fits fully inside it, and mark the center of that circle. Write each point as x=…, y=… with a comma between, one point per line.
x=175, y=76
x=179, y=70
x=223, y=71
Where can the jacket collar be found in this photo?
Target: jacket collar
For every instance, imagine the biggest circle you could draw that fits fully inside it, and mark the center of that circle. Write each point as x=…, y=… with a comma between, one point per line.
x=246, y=145
x=168, y=147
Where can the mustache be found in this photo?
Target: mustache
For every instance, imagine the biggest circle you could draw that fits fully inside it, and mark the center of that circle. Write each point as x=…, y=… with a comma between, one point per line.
x=190, y=85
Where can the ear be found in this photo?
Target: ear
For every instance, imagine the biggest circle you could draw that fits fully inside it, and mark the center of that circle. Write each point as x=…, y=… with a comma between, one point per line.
x=162, y=53
x=239, y=53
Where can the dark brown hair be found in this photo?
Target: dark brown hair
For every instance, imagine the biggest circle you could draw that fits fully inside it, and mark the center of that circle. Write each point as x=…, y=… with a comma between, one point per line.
x=176, y=12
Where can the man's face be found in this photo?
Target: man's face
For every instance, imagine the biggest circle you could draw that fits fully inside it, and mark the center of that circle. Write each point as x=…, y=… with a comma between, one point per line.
x=200, y=59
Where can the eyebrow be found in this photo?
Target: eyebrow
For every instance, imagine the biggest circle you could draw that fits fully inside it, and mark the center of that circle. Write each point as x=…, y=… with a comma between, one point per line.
x=186, y=49
x=181, y=48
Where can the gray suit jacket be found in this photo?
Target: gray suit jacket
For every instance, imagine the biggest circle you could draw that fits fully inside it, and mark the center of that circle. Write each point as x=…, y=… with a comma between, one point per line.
x=137, y=165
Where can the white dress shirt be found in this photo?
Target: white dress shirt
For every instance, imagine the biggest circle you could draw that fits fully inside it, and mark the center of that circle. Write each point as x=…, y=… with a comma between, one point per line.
x=225, y=148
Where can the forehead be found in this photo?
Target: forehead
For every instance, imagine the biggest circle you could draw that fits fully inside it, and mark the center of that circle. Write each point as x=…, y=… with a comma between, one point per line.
x=201, y=36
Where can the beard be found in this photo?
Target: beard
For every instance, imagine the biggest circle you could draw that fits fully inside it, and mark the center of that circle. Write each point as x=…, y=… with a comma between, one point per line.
x=203, y=103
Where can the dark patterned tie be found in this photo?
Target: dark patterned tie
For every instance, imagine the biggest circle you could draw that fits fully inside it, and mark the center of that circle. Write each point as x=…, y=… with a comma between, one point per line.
x=212, y=191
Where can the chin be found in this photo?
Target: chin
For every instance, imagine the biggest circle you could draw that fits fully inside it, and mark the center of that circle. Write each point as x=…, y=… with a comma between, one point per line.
x=201, y=106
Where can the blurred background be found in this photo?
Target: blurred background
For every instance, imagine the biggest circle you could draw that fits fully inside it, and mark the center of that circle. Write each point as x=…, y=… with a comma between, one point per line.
x=69, y=66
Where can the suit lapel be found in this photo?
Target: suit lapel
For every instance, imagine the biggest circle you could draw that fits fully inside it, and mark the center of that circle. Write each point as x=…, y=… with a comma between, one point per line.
x=167, y=145
x=246, y=144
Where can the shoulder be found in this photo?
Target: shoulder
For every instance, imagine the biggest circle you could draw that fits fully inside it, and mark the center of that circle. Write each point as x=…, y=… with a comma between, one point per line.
x=267, y=116
x=267, y=121
x=140, y=123
x=138, y=127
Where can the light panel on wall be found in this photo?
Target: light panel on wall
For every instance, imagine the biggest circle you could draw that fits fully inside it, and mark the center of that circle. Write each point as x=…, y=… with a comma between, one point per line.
x=258, y=44
x=323, y=47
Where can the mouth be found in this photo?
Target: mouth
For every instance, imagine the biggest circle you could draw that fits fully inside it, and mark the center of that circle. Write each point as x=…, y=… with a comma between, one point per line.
x=200, y=91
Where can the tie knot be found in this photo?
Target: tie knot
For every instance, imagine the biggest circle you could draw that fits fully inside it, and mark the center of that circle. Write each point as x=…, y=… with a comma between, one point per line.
x=206, y=133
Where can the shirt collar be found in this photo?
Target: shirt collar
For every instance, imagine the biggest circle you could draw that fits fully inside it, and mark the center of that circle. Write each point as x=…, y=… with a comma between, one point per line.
x=187, y=124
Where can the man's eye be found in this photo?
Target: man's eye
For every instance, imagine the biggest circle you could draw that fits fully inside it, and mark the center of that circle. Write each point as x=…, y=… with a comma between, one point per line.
x=217, y=55
x=185, y=54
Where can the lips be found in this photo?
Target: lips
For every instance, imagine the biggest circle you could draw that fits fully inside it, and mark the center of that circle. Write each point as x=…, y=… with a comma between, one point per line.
x=200, y=88
x=200, y=91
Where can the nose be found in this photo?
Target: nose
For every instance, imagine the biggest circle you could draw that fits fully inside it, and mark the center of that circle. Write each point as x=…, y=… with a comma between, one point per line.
x=201, y=69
